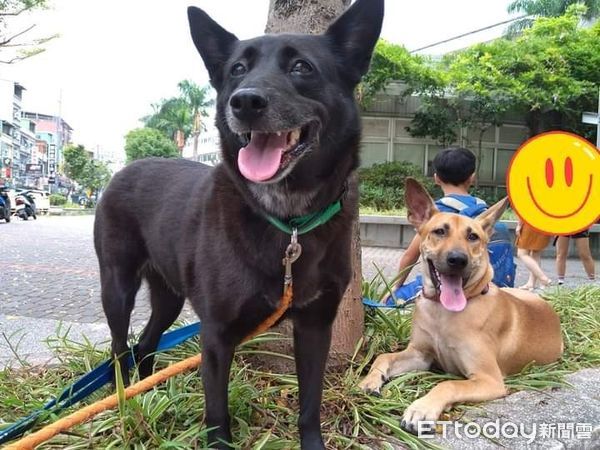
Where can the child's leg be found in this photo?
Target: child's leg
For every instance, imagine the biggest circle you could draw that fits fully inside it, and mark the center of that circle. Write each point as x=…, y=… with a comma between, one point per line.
x=523, y=255
x=532, y=266
x=537, y=257
x=562, y=250
x=585, y=255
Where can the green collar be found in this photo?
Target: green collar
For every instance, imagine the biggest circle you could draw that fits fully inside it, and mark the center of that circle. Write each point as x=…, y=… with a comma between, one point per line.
x=304, y=224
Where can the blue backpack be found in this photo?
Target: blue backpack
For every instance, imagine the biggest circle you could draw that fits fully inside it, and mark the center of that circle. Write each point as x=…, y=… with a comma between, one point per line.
x=500, y=246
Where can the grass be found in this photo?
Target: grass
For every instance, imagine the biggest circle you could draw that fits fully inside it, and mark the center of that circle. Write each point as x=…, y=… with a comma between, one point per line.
x=263, y=405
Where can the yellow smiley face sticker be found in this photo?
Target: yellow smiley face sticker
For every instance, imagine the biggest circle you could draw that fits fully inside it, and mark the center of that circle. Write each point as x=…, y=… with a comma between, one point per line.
x=553, y=183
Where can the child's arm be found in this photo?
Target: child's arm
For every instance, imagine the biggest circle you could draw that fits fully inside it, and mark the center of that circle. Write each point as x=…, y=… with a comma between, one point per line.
x=409, y=259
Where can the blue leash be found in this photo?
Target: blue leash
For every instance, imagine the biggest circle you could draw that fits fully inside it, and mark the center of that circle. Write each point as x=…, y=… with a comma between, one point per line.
x=93, y=381
x=402, y=296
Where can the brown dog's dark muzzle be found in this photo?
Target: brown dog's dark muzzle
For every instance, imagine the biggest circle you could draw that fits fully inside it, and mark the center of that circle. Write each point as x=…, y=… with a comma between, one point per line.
x=456, y=261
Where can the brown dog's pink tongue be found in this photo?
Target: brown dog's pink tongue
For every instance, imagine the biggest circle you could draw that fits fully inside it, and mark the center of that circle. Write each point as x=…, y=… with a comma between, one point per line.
x=260, y=159
x=452, y=295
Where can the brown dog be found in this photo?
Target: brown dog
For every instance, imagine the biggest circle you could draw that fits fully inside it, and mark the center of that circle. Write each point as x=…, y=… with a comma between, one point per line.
x=463, y=323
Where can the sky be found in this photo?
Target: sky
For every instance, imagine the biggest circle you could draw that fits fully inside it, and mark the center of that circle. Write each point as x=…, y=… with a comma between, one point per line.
x=115, y=57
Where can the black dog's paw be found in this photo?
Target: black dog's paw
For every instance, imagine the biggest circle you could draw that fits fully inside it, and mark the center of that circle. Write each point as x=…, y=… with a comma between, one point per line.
x=315, y=443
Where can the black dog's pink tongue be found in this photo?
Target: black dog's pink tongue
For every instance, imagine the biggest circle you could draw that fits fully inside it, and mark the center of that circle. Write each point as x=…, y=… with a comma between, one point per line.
x=452, y=295
x=260, y=159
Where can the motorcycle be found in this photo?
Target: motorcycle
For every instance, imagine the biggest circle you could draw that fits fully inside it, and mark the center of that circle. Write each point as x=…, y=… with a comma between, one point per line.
x=25, y=205
x=4, y=205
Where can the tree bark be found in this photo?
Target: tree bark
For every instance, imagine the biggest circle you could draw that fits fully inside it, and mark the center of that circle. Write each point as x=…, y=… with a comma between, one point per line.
x=303, y=16
x=314, y=16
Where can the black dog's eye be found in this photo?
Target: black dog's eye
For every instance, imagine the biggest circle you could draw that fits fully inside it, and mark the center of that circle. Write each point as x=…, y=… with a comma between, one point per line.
x=238, y=69
x=301, y=67
x=439, y=232
x=472, y=237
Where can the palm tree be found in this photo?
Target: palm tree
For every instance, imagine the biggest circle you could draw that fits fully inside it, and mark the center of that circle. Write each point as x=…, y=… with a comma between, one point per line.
x=547, y=8
x=198, y=100
x=173, y=118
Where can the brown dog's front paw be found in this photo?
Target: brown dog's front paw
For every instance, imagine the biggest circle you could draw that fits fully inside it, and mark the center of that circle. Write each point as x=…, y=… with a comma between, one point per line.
x=372, y=383
x=420, y=410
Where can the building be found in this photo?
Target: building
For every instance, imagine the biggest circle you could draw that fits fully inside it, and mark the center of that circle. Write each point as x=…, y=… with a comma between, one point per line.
x=114, y=160
x=11, y=98
x=24, y=173
x=385, y=139
x=57, y=133
x=54, y=130
x=209, y=150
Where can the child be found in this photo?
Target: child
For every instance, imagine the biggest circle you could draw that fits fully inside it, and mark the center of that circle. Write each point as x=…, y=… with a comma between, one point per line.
x=454, y=172
x=530, y=244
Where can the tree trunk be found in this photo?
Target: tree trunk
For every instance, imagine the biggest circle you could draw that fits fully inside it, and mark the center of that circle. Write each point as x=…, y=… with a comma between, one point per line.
x=313, y=16
x=197, y=128
x=303, y=16
x=349, y=323
x=479, y=155
x=195, y=151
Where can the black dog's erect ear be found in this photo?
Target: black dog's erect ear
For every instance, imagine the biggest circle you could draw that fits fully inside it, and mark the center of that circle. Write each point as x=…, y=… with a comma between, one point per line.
x=212, y=41
x=355, y=33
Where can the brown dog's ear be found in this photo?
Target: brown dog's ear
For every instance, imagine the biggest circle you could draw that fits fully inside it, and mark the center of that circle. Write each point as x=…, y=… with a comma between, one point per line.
x=491, y=216
x=419, y=203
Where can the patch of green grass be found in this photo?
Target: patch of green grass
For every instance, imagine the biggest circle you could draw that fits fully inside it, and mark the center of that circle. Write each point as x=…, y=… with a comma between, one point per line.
x=263, y=405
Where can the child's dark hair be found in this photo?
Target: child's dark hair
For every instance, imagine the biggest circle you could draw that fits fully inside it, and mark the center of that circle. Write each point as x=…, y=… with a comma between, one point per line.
x=454, y=165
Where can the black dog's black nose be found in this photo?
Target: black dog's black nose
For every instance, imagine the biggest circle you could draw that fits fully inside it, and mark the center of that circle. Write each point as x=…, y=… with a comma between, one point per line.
x=248, y=103
x=457, y=260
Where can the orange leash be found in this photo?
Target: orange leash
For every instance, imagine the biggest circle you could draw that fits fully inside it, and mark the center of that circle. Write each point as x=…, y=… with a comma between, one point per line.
x=34, y=439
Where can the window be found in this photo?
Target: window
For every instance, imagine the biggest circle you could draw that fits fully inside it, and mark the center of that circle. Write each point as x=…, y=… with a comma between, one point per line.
x=376, y=128
x=400, y=130
x=373, y=153
x=486, y=165
x=502, y=162
x=488, y=136
x=512, y=135
x=414, y=153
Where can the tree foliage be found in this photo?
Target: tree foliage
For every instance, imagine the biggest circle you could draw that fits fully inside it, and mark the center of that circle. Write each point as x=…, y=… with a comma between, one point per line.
x=382, y=185
x=147, y=142
x=169, y=117
x=16, y=43
x=181, y=115
x=76, y=158
x=549, y=74
x=547, y=8
x=394, y=62
x=91, y=174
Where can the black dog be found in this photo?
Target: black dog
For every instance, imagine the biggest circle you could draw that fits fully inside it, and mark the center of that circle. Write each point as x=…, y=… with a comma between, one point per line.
x=290, y=133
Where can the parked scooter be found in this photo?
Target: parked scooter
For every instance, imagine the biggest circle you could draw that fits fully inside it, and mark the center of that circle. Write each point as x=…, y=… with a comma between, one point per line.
x=4, y=204
x=25, y=205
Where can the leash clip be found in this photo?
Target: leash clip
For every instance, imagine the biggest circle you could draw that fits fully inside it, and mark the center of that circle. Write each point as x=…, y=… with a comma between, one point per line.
x=292, y=253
